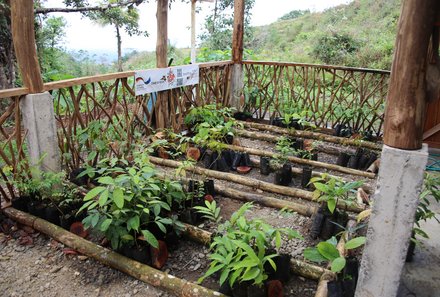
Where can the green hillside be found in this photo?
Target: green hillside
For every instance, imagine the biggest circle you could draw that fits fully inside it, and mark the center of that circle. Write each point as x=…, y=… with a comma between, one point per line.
x=359, y=34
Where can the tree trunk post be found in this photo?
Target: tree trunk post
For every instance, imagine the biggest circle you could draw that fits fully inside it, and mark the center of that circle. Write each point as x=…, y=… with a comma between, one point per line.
x=23, y=36
x=161, y=111
x=403, y=156
x=237, y=55
x=405, y=108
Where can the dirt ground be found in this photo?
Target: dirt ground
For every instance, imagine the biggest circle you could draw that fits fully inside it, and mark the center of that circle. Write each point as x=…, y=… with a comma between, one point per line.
x=33, y=265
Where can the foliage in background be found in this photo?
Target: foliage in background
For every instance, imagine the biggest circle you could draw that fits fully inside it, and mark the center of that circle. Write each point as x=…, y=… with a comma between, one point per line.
x=126, y=18
x=219, y=25
x=293, y=15
x=424, y=212
x=370, y=24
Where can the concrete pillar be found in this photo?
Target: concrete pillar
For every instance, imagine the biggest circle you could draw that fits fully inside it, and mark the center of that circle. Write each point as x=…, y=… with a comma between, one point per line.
x=236, y=85
x=392, y=219
x=39, y=123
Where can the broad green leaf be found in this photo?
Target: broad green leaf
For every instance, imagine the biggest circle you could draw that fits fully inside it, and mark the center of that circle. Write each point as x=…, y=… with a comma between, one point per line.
x=246, y=264
x=150, y=238
x=328, y=250
x=94, y=220
x=224, y=275
x=355, y=243
x=321, y=187
x=133, y=223
x=85, y=205
x=118, y=197
x=103, y=198
x=338, y=264
x=93, y=193
x=331, y=204
x=313, y=254
x=251, y=274
x=106, y=180
x=105, y=224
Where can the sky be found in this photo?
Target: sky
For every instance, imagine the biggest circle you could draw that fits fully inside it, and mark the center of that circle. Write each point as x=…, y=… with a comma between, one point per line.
x=83, y=34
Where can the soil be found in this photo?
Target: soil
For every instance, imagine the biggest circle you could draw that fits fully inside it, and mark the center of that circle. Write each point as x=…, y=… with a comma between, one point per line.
x=34, y=265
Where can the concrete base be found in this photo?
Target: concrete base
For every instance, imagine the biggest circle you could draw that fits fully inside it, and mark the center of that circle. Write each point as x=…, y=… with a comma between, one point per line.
x=395, y=202
x=39, y=123
x=236, y=85
x=421, y=277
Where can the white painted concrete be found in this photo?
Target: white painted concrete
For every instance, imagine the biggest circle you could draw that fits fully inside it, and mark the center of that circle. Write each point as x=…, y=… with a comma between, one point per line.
x=395, y=202
x=39, y=123
x=236, y=85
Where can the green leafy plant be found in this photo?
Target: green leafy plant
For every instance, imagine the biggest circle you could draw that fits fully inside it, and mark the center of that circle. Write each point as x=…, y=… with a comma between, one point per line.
x=212, y=124
x=330, y=190
x=424, y=212
x=128, y=200
x=300, y=118
x=326, y=251
x=210, y=211
x=243, y=249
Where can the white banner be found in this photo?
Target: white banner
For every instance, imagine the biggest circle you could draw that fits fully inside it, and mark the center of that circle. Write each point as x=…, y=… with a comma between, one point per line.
x=154, y=80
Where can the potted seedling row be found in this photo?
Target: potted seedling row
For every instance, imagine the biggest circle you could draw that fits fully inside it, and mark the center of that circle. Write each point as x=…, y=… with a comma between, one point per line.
x=327, y=221
x=136, y=211
x=244, y=258
x=361, y=159
x=346, y=268
x=297, y=121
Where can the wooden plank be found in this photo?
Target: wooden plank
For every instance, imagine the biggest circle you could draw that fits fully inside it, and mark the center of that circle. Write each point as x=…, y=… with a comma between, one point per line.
x=431, y=131
x=274, y=63
x=85, y=80
x=7, y=93
x=406, y=101
x=23, y=36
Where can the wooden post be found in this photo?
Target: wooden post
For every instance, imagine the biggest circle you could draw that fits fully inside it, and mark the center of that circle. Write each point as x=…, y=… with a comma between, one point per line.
x=403, y=158
x=23, y=35
x=405, y=111
x=193, y=31
x=237, y=54
x=161, y=61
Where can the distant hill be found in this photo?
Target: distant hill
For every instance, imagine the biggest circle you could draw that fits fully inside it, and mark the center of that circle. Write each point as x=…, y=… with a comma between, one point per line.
x=359, y=34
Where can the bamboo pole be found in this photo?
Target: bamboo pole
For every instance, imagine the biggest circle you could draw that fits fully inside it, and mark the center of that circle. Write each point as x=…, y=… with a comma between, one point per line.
x=313, y=135
x=274, y=138
x=312, y=163
x=267, y=201
x=145, y=273
x=322, y=291
x=251, y=182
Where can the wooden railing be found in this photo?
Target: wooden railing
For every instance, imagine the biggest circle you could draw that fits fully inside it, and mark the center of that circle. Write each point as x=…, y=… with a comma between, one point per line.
x=100, y=115
x=331, y=94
